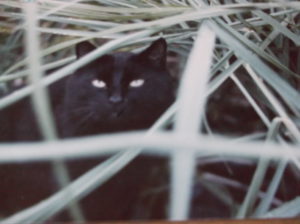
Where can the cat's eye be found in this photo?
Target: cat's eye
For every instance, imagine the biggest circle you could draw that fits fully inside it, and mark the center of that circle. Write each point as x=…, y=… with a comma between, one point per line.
x=98, y=83
x=137, y=83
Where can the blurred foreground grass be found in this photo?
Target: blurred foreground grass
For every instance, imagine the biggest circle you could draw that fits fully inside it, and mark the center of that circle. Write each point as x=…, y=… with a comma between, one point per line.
x=251, y=96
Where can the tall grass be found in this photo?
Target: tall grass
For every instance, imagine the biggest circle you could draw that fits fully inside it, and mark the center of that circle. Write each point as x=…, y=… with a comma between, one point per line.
x=252, y=44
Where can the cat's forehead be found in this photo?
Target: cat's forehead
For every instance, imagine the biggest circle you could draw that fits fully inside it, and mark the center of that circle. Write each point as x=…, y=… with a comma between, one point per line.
x=122, y=61
x=114, y=59
x=113, y=65
x=122, y=58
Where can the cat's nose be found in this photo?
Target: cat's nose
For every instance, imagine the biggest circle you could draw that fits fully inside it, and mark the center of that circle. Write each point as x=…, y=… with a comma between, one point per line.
x=115, y=99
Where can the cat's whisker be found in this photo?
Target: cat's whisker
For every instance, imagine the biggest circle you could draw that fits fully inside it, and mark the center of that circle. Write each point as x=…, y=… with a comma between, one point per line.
x=85, y=120
x=81, y=109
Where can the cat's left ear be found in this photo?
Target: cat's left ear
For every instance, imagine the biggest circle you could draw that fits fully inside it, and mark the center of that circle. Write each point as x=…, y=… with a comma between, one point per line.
x=83, y=48
x=156, y=53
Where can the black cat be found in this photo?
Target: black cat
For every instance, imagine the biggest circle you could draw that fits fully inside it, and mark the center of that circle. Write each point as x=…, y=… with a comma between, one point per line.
x=116, y=92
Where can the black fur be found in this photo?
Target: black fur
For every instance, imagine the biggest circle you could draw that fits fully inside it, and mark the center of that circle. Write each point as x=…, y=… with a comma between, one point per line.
x=117, y=107
x=82, y=109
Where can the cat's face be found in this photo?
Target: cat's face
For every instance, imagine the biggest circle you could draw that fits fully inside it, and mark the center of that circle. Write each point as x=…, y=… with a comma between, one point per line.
x=118, y=92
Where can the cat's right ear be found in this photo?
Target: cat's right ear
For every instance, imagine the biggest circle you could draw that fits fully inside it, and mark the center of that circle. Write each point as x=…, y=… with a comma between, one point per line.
x=83, y=48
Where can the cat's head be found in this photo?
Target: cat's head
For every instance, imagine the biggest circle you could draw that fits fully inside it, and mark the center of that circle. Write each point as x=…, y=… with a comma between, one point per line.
x=121, y=90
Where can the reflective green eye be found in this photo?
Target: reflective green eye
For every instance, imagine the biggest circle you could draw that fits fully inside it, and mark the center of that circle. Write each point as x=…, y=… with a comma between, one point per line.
x=137, y=83
x=98, y=83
